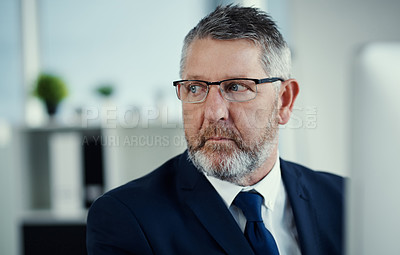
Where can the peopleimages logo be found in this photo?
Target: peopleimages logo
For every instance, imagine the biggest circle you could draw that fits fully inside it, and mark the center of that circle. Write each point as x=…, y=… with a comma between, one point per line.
x=149, y=116
x=131, y=117
x=303, y=117
x=135, y=140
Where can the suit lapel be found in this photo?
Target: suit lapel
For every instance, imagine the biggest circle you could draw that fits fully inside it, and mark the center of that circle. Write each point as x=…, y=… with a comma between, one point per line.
x=210, y=210
x=303, y=210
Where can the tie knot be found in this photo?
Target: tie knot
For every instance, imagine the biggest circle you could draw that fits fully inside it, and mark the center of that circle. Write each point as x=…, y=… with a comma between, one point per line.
x=250, y=204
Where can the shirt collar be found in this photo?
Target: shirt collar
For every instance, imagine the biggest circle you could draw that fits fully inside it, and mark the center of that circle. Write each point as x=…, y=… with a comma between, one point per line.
x=268, y=187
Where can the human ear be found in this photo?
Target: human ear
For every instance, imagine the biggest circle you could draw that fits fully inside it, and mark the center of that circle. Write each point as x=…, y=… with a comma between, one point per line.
x=287, y=95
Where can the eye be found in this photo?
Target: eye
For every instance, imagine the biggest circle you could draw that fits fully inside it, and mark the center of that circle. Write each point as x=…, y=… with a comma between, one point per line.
x=193, y=88
x=236, y=87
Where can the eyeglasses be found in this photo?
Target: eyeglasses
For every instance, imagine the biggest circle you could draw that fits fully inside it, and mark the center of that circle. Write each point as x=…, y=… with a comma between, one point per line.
x=235, y=90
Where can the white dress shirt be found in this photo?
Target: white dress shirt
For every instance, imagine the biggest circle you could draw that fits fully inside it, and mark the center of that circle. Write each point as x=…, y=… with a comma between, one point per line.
x=276, y=210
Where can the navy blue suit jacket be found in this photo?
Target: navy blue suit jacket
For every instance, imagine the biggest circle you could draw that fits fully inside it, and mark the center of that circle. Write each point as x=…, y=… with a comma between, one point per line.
x=175, y=210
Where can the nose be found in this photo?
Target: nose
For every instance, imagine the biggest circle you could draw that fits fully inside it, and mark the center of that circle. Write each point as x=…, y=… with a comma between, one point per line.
x=215, y=106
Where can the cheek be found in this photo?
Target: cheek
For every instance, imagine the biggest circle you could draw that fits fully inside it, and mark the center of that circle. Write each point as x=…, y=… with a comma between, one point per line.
x=252, y=119
x=191, y=118
x=263, y=117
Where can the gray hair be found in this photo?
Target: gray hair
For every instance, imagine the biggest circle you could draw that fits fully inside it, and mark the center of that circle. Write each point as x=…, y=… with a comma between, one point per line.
x=236, y=22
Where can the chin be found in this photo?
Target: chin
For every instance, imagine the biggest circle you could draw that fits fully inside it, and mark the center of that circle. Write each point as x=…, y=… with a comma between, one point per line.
x=228, y=165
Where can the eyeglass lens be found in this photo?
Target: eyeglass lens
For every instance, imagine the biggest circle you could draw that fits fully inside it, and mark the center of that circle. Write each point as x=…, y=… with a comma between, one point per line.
x=232, y=90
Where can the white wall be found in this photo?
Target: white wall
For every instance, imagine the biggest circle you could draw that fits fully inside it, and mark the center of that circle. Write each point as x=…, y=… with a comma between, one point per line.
x=11, y=89
x=325, y=37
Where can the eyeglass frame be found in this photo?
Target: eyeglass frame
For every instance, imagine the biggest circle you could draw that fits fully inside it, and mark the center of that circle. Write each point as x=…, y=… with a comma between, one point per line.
x=208, y=83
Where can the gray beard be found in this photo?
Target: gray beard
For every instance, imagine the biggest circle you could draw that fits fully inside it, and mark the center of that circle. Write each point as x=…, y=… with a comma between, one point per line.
x=238, y=167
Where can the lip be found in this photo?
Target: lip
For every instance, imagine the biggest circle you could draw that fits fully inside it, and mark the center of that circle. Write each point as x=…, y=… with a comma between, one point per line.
x=219, y=139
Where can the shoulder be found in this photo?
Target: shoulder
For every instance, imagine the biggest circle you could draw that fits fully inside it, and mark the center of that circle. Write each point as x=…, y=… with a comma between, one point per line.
x=323, y=195
x=316, y=179
x=322, y=188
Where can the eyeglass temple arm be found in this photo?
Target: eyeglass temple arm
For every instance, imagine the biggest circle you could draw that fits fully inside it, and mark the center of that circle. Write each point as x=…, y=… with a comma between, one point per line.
x=274, y=79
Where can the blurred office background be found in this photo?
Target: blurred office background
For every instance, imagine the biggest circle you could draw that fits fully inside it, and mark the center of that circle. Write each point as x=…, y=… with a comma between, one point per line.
x=134, y=46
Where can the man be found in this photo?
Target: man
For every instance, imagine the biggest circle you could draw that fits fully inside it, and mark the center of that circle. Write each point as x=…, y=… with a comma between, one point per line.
x=229, y=193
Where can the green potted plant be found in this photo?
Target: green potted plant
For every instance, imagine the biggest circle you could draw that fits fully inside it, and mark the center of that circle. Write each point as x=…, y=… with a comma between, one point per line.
x=105, y=90
x=51, y=90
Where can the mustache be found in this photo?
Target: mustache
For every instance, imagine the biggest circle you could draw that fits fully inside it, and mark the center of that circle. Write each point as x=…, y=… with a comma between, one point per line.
x=218, y=130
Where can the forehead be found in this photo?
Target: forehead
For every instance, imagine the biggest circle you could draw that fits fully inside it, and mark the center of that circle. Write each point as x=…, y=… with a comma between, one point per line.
x=220, y=59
